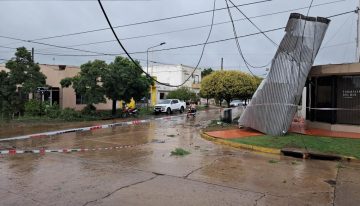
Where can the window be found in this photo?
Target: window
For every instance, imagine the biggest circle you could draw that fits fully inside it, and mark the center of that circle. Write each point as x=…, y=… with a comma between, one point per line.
x=196, y=79
x=175, y=102
x=162, y=95
x=80, y=99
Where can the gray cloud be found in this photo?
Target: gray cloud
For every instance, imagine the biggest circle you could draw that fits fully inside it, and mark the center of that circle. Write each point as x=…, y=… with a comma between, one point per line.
x=35, y=19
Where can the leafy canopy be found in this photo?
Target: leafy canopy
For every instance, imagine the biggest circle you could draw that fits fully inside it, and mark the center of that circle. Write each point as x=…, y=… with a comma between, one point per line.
x=206, y=72
x=87, y=82
x=229, y=85
x=24, y=72
x=182, y=93
x=23, y=77
x=123, y=81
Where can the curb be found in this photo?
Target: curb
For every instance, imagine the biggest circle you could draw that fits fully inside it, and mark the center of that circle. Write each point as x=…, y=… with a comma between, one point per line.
x=91, y=128
x=241, y=146
x=261, y=149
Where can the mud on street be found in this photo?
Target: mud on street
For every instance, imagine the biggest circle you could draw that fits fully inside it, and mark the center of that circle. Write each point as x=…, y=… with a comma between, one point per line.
x=146, y=173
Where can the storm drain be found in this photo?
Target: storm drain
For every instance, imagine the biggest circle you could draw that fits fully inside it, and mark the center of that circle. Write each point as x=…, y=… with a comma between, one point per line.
x=304, y=154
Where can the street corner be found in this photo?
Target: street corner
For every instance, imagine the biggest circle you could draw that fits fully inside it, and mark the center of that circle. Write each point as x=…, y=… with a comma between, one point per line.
x=222, y=137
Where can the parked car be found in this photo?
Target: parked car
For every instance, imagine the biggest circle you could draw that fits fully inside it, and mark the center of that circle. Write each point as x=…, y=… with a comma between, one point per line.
x=236, y=103
x=170, y=105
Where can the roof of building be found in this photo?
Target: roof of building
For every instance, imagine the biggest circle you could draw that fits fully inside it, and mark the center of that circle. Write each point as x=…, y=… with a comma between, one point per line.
x=335, y=69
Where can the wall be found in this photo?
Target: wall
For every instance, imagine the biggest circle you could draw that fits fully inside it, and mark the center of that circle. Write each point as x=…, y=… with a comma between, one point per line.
x=67, y=95
x=173, y=75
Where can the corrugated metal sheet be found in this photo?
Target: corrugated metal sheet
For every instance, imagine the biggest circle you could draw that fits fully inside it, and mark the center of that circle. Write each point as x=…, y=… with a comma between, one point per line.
x=274, y=103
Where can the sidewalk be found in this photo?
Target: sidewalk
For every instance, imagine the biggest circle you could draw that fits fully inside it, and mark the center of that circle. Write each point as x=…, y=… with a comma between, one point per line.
x=309, y=142
x=298, y=128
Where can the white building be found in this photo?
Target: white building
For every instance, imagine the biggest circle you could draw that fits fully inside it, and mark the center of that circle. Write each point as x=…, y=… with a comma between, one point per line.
x=173, y=75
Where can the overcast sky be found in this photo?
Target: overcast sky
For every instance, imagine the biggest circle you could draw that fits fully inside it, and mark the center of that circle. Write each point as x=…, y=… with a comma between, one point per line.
x=36, y=19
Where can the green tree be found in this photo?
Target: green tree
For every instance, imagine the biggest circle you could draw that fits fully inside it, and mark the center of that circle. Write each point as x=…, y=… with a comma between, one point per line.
x=182, y=93
x=206, y=72
x=227, y=85
x=88, y=82
x=122, y=80
x=24, y=72
x=24, y=77
x=8, y=95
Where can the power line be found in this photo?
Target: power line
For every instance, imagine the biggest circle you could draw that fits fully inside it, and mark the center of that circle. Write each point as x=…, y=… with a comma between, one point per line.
x=52, y=45
x=138, y=66
x=203, y=26
x=236, y=40
x=190, y=45
x=156, y=50
x=145, y=22
x=254, y=24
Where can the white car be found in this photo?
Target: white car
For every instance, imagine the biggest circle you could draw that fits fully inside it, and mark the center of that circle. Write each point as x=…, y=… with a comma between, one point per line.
x=236, y=103
x=169, y=105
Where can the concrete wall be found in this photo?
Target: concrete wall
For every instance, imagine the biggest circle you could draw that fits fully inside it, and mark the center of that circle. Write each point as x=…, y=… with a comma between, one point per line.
x=173, y=75
x=333, y=127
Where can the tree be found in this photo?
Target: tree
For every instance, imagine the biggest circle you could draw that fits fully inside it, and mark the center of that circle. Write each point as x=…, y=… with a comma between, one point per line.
x=182, y=93
x=122, y=80
x=206, y=72
x=227, y=85
x=87, y=83
x=24, y=72
x=24, y=77
x=8, y=95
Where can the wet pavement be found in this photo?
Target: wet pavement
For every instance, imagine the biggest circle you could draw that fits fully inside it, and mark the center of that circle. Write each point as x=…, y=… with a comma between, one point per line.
x=146, y=174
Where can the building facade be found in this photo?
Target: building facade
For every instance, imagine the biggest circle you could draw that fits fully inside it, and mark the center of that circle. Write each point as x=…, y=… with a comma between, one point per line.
x=333, y=97
x=64, y=97
x=173, y=75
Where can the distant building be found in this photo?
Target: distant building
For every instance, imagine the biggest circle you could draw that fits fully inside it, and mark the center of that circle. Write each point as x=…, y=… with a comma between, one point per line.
x=332, y=97
x=64, y=97
x=173, y=75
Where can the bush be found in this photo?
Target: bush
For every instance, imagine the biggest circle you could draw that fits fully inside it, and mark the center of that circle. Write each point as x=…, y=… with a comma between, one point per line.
x=89, y=110
x=52, y=111
x=34, y=107
x=69, y=114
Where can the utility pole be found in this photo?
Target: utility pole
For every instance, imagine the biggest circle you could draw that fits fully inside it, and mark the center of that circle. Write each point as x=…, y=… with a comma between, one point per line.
x=32, y=54
x=358, y=35
x=222, y=62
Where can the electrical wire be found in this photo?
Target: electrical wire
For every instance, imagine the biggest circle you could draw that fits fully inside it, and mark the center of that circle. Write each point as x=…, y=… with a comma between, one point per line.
x=138, y=66
x=156, y=50
x=52, y=45
x=237, y=41
x=171, y=48
x=203, y=26
x=149, y=21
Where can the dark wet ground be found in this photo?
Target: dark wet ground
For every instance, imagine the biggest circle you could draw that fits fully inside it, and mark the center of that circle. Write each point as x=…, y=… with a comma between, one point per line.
x=148, y=175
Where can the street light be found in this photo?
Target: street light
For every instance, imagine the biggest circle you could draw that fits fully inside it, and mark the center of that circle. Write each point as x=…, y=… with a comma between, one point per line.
x=147, y=55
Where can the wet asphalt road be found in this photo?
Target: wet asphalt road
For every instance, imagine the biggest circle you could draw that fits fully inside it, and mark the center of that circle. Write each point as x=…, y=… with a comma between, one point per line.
x=146, y=174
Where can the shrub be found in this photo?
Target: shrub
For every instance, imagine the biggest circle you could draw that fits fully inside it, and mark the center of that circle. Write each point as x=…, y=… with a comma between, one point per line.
x=69, y=114
x=89, y=110
x=34, y=107
x=52, y=111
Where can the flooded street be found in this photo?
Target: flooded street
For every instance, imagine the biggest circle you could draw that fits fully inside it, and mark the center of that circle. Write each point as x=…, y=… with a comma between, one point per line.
x=134, y=167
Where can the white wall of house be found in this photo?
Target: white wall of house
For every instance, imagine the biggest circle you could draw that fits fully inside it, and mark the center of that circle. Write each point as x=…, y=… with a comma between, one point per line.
x=175, y=75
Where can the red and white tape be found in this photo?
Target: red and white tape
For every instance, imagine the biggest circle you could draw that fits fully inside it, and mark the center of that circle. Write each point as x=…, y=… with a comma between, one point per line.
x=64, y=150
x=82, y=129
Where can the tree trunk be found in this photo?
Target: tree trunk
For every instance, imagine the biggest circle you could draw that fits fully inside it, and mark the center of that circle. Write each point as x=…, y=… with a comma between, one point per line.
x=228, y=102
x=113, y=110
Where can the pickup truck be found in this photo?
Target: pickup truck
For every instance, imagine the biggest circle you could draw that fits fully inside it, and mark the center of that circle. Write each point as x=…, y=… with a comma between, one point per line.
x=170, y=105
